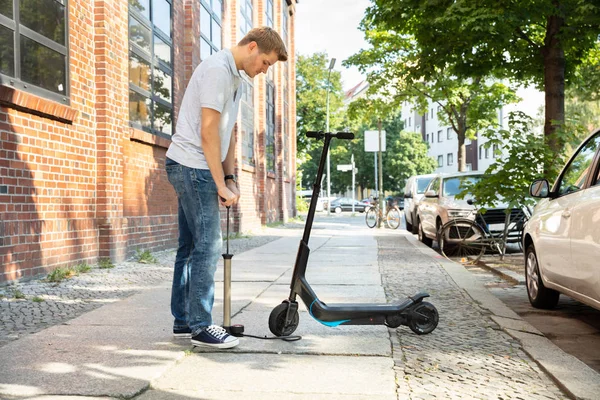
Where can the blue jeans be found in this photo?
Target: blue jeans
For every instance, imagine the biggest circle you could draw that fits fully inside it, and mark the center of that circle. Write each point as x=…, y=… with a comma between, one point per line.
x=200, y=243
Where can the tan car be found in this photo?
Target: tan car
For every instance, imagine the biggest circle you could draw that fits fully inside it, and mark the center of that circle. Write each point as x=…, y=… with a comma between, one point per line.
x=562, y=238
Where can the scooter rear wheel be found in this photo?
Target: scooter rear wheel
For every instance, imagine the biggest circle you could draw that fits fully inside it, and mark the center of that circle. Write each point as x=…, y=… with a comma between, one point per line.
x=423, y=318
x=277, y=324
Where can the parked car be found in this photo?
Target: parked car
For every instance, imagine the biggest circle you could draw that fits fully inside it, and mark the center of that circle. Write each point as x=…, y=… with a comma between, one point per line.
x=439, y=205
x=413, y=193
x=345, y=204
x=562, y=238
x=397, y=201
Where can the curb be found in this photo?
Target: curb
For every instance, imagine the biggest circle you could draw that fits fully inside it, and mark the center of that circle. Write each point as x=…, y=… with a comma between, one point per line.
x=574, y=377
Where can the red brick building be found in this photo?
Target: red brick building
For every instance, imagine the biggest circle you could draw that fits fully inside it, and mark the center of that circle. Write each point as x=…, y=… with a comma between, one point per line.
x=90, y=90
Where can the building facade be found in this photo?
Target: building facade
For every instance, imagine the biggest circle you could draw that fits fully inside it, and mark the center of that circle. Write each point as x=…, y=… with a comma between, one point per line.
x=442, y=140
x=89, y=96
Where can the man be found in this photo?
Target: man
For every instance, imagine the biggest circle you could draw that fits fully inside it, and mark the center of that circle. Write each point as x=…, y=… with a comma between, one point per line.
x=200, y=166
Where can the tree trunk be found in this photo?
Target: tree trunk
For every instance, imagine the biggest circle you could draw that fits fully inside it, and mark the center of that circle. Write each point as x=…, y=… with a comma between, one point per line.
x=462, y=149
x=554, y=83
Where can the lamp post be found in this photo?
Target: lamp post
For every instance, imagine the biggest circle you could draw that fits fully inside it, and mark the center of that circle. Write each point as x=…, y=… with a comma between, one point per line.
x=331, y=64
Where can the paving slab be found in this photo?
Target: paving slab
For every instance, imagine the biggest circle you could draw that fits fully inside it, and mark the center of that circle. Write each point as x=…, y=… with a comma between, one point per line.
x=330, y=275
x=366, y=340
x=252, y=374
x=229, y=395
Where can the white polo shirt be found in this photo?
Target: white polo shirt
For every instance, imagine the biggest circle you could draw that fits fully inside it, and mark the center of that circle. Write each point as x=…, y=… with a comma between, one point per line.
x=214, y=84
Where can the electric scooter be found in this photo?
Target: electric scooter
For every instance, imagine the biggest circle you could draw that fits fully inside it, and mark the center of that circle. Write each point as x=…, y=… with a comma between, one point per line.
x=420, y=316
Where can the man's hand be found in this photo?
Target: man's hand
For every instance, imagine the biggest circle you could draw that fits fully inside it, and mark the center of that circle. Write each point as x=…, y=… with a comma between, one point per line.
x=231, y=185
x=228, y=195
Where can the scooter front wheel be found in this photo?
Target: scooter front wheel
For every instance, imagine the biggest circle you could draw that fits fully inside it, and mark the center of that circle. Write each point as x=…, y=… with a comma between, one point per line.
x=277, y=324
x=423, y=318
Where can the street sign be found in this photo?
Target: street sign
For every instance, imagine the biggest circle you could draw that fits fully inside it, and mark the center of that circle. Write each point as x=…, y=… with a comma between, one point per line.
x=372, y=140
x=344, y=167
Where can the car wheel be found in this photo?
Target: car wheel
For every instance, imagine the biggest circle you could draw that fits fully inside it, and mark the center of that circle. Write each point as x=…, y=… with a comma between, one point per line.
x=539, y=295
x=422, y=238
x=409, y=226
x=338, y=210
x=414, y=226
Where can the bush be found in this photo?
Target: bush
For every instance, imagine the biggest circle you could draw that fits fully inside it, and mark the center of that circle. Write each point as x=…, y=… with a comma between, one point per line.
x=301, y=204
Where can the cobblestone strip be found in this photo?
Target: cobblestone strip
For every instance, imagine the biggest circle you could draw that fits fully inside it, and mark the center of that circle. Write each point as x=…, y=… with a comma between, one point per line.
x=467, y=356
x=60, y=302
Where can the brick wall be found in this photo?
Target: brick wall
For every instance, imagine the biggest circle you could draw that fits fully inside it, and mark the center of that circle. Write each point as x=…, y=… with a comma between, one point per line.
x=77, y=183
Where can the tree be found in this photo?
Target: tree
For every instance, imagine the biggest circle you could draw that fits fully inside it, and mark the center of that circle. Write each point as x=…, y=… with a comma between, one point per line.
x=468, y=105
x=543, y=42
x=311, y=96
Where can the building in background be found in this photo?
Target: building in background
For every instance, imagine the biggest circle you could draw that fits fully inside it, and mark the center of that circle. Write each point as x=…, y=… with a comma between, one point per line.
x=443, y=143
x=89, y=96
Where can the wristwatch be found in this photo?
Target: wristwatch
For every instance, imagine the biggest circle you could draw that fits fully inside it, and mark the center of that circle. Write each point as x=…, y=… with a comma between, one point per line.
x=232, y=177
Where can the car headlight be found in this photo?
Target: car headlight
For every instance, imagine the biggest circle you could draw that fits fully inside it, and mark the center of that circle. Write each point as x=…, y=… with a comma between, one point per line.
x=459, y=213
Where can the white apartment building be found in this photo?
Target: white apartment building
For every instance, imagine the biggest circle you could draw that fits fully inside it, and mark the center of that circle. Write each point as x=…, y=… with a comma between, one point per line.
x=443, y=143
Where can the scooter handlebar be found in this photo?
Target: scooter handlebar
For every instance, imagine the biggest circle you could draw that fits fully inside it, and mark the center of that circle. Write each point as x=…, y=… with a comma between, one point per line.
x=339, y=135
x=345, y=135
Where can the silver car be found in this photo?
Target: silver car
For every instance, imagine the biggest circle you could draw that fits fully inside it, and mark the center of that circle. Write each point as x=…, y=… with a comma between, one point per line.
x=413, y=193
x=562, y=238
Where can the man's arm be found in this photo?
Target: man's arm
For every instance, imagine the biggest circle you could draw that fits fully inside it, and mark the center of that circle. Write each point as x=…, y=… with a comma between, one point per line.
x=229, y=168
x=211, y=145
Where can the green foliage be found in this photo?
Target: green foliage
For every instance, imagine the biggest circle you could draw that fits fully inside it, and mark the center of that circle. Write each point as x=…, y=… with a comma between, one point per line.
x=17, y=294
x=60, y=274
x=311, y=99
x=37, y=299
x=105, y=263
x=145, y=257
x=301, y=204
x=508, y=179
x=82, y=268
x=395, y=72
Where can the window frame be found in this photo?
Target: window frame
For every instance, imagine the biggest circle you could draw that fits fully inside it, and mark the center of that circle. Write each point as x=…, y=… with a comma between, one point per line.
x=207, y=4
x=155, y=63
x=270, y=118
x=270, y=20
x=244, y=19
x=249, y=161
x=21, y=30
x=594, y=167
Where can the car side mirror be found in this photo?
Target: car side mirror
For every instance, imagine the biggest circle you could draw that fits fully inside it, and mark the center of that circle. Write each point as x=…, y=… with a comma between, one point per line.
x=408, y=196
x=540, y=188
x=431, y=193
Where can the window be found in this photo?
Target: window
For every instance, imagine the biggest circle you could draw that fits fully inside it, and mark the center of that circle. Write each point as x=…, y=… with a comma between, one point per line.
x=449, y=133
x=284, y=21
x=269, y=13
x=450, y=159
x=270, y=133
x=151, y=65
x=431, y=112
x=440, y=136
x=33, y=46
x=432, y=137
x=247, y=110
x=246, y=17
x=285, y=131
x=210, y=27
x=480, y=151
x=440, y=161
x=487, y=152
x=574, y=176
x=409, y=121
x=495, y=151
x=469, y=167
x=428, y=138
x=454, y=186
x=435, y=185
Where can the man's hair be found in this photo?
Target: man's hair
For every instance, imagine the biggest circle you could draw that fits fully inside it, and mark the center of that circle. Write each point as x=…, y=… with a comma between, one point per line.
x=268, y=40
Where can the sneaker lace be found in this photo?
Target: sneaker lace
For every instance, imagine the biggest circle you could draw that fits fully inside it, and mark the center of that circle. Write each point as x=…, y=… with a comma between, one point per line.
x=216, y=331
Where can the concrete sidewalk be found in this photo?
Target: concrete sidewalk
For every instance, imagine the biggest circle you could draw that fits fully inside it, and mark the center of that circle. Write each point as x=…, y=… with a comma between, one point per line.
x=126, y=350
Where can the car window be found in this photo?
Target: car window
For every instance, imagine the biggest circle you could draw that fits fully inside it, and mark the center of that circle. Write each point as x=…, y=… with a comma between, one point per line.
x=435, y=186
x=576, y=173
x=422, y=184
x=453, y=186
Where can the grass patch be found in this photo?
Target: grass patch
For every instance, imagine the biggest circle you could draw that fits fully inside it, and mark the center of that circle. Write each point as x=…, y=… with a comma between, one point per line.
x=82, y=268
x=37, y=299
x=60, y=274
x=239, y=235
x=145, y=257
x=105, y=263
x=274, y=224
x=17, y=294
x=297, y=220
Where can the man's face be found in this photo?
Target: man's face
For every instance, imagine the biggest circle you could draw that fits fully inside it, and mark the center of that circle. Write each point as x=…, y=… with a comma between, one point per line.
x=258, y=62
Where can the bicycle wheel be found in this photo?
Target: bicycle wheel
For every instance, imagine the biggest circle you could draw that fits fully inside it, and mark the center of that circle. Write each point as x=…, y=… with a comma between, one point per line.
x=462, y=238
x=371, y=217
x=393, y=218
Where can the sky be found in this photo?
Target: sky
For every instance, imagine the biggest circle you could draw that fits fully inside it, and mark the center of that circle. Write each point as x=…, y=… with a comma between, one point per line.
x=331, y=26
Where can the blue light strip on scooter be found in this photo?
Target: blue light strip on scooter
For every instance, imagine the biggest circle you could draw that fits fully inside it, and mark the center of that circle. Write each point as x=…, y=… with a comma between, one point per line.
x=331, y=324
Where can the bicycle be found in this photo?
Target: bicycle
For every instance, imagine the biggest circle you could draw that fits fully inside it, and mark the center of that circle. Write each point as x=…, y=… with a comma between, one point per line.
x=470, y=238
x=392, y=216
